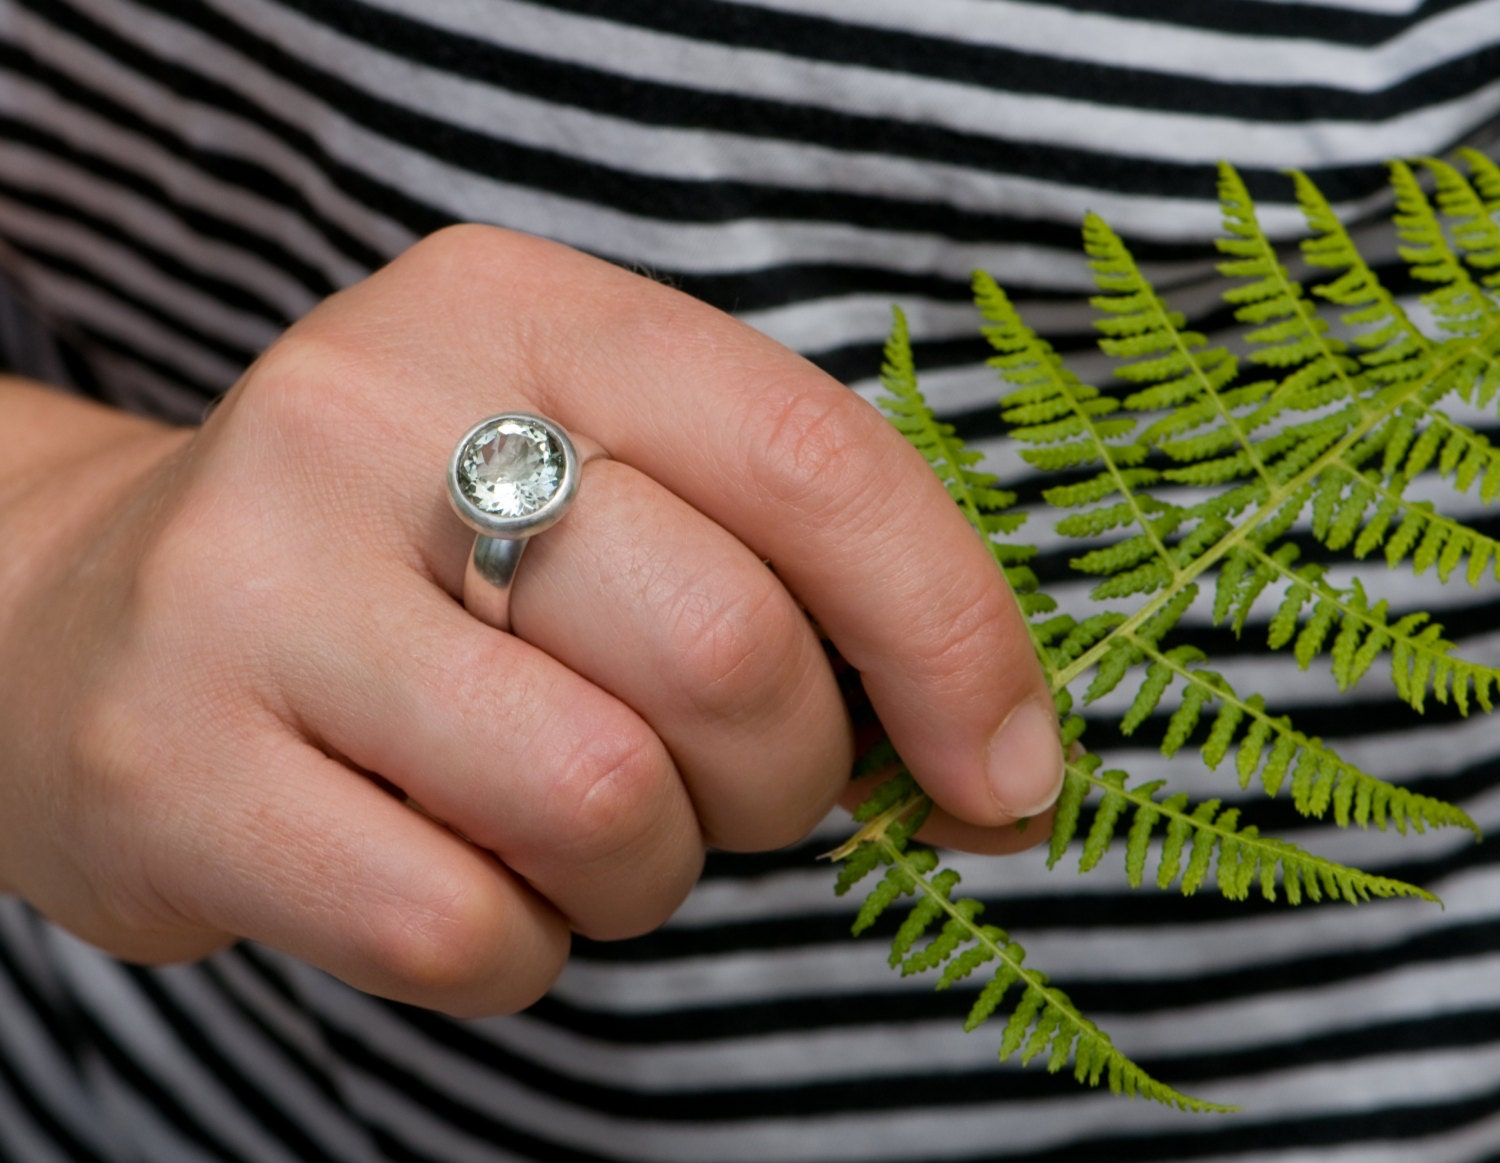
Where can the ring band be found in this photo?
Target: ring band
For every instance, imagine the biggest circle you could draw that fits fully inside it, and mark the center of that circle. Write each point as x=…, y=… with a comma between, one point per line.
x=510, y=477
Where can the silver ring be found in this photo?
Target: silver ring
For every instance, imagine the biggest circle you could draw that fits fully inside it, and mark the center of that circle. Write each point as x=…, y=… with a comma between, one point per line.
x=510, y=477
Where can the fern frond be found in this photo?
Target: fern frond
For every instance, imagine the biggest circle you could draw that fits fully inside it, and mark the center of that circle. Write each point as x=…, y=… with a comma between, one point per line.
x=1271, y=749
x=1286, y=332
x=1486, y=177
x=1362, y=510
x=1395, y=353
x=1177, y=369
x=1178, y=365
x=1043, y=1022
x=1458, y=304
x=1202, y=844
x=1392, y=349
x=988, y=507
x=1314, y=463
x=978, y=494
x=1330, y=435
x=1476, y=234
x=1080, y=426
x=1066, y=422
x=1421, y=659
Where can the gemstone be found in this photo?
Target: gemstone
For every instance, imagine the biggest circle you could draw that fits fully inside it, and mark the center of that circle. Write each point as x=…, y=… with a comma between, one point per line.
x=511, y=467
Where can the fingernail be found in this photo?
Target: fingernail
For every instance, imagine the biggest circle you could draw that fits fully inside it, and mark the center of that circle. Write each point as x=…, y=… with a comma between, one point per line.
x=1025, y=761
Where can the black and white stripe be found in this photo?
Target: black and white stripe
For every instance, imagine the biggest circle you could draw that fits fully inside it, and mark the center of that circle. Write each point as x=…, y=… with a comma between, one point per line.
x=180, y=179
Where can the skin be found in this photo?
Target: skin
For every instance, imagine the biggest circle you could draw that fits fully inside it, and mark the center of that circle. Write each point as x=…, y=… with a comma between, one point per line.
x=229, y=655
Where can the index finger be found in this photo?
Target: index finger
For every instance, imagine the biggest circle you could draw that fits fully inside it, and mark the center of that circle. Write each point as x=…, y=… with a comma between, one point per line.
x=795, y=465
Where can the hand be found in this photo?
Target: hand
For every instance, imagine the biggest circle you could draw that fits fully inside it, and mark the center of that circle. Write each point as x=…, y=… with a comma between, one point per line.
x=226, y=657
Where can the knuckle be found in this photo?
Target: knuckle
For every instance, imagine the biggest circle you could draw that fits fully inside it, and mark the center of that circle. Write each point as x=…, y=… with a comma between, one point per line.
x=466, y=269
x=972, y=628
x=814, y=444
x=440, y=946
x=735, y=648
x=612, y=795
x=462, y=244
x=299, y=387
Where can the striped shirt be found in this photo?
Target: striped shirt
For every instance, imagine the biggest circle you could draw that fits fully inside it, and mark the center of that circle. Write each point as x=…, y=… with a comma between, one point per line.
x=181, y=179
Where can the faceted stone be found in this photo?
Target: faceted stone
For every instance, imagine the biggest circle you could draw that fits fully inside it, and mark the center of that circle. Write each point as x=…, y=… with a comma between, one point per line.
x=511, y=468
